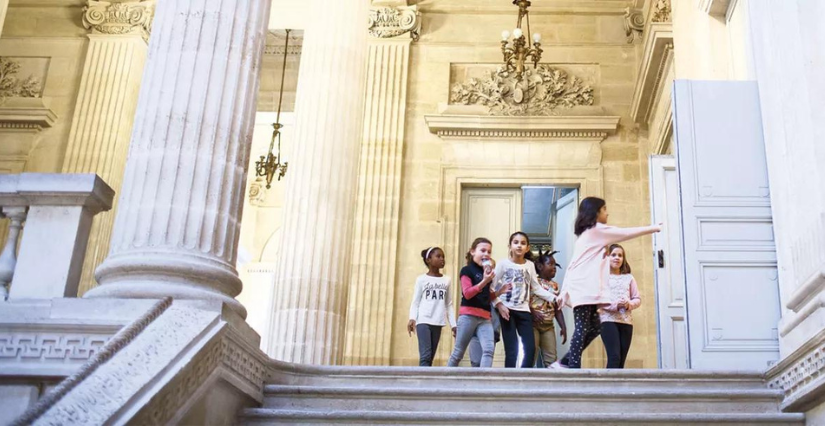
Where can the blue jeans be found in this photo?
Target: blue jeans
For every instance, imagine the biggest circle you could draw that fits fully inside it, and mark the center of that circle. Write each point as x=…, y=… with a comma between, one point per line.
x=475, y=346
x=469, y=326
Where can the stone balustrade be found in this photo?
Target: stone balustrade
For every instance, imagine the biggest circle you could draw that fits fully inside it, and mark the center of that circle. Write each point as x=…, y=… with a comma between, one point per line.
x=57, y=210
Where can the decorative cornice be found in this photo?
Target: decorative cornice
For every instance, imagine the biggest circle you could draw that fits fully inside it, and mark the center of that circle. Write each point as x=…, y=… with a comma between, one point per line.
x=541, y=91
x=656, y=58
x=31, y=114
x=498, y=127
x=116, y=18
x=634, y=23
x=661, y=11
x=389, y=22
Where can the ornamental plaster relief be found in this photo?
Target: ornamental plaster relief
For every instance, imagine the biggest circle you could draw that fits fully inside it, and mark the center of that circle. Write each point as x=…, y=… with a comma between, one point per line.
x=546, y=90
x=22, y=77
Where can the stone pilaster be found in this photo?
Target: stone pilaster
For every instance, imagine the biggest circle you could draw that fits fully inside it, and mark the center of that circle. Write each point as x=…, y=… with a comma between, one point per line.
x=371, y=293
x=105, y=108
x=313, y=274
x=4, y=7
x=178, y=221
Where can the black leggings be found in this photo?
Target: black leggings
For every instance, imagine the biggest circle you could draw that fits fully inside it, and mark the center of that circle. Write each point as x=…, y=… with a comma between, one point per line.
x=428, y=337
x=520, y=323
x=616, y=337
x=587, y=322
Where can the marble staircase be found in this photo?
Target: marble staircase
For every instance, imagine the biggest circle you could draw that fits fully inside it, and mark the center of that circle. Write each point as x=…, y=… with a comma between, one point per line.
x=300, y=394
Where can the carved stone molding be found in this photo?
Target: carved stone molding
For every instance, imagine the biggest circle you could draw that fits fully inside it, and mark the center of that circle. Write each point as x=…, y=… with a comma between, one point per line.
x=275, y=43
x=390, y=22
x=657, y=57
x=115, y=18
x=541, y=91
x=661, y=11
x=801, y=375
x=492, y=127
x=634, y=23
x=26, y=114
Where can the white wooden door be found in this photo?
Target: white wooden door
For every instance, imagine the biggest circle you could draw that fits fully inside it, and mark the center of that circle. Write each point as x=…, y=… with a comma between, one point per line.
x=493, y=213
x=668, y=264
x=730, y=260
x=563, y=240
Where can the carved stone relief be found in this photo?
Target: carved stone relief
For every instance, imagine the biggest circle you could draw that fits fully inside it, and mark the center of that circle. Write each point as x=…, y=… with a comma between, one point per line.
x=542, y=91
x=133, y=17
x=23, y=346
x=661, y=11
x=388, y=22
x=634, y=23
x=18, y=77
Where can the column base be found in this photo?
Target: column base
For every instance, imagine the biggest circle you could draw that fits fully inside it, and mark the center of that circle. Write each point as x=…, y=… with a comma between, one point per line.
x=156, y=275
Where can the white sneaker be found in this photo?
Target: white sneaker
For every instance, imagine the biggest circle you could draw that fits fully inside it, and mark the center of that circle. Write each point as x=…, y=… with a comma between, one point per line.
x=558, y=366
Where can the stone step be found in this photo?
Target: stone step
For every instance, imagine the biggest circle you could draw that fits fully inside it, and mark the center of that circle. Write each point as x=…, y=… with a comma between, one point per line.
x=515, y=379
x=553, y=415
x=482, y=400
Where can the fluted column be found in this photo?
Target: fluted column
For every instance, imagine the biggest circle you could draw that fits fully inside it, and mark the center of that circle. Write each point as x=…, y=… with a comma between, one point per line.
x=372, y=287
x=4, y=7
x=105, y=108
x=177, y=226
x=310, y=295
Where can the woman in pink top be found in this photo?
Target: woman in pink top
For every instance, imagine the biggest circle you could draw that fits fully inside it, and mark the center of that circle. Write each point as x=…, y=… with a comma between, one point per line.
x=617, y=322
x=585, y=286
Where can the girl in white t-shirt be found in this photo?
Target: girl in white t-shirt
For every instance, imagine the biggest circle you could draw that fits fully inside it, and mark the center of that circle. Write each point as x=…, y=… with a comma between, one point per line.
x=432, y=303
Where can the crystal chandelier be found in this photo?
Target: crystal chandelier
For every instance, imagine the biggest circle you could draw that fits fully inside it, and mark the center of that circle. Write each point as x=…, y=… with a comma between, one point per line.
x=270, y=165
x=518, y=50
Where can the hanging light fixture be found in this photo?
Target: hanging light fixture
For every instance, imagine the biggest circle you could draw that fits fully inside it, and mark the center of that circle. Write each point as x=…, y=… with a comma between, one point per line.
x=270, y=165
x=517, y=51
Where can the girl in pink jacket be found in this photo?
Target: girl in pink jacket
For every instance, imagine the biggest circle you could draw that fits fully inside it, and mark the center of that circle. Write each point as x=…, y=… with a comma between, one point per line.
x=586, y=283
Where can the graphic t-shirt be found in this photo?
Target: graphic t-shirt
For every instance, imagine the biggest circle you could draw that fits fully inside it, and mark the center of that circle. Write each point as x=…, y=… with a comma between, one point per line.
x=432, y=301
x=547, y=309
x=523, y=278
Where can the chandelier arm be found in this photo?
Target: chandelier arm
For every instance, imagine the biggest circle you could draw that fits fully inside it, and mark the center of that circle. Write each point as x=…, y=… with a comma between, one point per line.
x=283, y=76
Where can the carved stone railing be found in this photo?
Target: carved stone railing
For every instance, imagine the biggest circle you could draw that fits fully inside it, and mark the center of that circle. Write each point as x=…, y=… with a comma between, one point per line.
x=57, y=210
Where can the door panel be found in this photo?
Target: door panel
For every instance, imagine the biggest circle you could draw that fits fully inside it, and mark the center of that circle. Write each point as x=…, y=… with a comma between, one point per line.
x=493, y=213
x=668, y=264
x=732, y=291
x=563, y=240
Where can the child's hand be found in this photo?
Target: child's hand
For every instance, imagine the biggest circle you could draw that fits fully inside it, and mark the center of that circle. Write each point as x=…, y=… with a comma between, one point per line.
x=489, y=274
x=563, y=332
x=504, y=289
x=454, y=332
x=503, y=311
x=411, y=327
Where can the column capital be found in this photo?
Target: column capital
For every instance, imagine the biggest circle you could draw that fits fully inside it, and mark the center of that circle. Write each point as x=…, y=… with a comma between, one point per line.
x=395, y=22
x=119, y=17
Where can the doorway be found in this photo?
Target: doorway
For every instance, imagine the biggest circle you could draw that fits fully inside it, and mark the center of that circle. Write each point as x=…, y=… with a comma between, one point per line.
x=545, y=213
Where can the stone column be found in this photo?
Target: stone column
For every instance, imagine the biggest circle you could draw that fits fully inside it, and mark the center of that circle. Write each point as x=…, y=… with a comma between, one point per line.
x=313, y=274
x=788, y=65
x=176, y=231
x=371, y=292
x=105, y=107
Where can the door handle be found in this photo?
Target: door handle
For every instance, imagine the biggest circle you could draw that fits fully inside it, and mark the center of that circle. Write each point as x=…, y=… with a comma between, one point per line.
x=661, y=255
